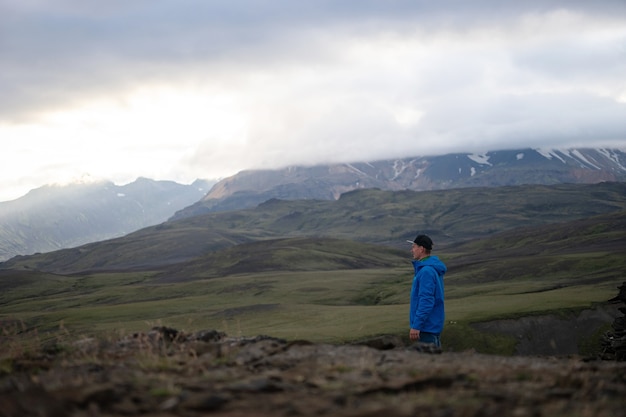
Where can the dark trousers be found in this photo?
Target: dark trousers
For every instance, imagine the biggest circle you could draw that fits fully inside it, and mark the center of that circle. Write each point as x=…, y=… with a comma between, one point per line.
x=433, y=338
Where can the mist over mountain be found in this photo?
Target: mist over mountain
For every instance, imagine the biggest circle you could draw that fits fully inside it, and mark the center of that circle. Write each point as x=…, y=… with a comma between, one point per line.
x=492, y=169
x=58, y=217
x=55, y=217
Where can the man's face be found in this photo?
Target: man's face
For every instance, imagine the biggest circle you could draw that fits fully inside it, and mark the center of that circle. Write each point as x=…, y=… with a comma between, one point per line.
x=418, y=252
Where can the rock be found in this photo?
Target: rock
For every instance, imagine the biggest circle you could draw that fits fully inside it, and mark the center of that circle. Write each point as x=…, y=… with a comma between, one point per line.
x=383, y=342
x=208, y=336
x=160, y=373
x=614, y=342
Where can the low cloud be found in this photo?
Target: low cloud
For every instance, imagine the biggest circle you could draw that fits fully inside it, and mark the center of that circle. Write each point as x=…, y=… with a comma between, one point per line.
x=204, y=89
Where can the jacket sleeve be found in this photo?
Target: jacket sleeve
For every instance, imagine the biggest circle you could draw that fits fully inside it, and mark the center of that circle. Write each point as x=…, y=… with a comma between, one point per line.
x=425, y=297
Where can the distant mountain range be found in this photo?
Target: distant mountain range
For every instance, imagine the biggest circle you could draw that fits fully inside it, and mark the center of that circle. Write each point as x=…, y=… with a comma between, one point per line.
x=230, y=242
x=56, y=217
x=461, y=170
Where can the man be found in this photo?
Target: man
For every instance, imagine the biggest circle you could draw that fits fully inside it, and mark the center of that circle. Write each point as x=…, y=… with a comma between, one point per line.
x=427, y=309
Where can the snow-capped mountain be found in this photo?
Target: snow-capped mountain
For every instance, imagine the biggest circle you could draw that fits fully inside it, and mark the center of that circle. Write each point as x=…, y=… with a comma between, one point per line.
x=491, y=169
x=55, y=217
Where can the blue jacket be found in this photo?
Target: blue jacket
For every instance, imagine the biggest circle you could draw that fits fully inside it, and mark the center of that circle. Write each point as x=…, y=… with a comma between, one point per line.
x=427, y=311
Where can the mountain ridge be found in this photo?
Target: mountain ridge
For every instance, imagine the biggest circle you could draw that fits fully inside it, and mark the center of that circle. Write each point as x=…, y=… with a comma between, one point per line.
x=372, y=216
x=55, y=217
x=420, y=173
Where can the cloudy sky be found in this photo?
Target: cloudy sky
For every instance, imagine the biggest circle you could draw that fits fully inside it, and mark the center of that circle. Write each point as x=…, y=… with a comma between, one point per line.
x=185, y=89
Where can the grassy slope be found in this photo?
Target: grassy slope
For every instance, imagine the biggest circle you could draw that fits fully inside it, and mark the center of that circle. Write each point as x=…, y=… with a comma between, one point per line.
x=325, y=289
x=337, y=303
x=372, y=216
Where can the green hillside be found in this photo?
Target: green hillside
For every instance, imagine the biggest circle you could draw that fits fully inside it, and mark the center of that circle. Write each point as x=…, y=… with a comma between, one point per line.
x=264, y=271
x=371, y=216
x=358, y=290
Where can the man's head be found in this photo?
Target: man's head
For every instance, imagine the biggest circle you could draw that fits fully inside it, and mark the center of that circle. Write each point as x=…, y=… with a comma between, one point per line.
x=422, y=245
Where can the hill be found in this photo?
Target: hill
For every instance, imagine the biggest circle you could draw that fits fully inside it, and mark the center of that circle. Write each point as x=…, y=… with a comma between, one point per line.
x=320, y=270
x=56, y=217
x=370, y=216
x=492, y=169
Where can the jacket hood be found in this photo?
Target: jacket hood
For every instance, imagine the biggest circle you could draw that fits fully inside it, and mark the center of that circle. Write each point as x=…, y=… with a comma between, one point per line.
x=432, y=261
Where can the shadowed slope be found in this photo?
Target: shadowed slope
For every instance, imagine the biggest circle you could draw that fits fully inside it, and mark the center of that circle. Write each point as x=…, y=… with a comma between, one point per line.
x=293, y=254
x=372, y=216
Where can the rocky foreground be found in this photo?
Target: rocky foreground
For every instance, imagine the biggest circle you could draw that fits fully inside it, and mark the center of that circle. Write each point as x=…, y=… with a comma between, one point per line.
x=168, y=373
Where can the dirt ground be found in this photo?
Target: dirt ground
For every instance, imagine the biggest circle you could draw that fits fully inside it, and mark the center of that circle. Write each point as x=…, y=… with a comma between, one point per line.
x=167, y=373
x=551, y=334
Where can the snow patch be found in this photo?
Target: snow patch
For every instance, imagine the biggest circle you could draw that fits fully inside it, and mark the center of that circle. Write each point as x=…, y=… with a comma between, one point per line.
x=609, y=154
x=576, y=154
x=398, y=168
x=472, y=171
x=121, y=195
x=479, y=159
x=549, y=154
x=519, y=156
x=355, y=169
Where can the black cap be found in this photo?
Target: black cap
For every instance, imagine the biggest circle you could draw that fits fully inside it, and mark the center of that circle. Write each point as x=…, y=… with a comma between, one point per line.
x=423, y=241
